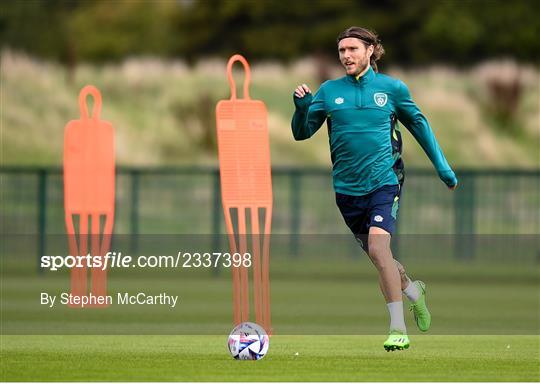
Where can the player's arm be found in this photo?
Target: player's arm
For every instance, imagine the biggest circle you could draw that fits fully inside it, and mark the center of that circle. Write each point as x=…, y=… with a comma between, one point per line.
x=309, y=114
x=413, y=119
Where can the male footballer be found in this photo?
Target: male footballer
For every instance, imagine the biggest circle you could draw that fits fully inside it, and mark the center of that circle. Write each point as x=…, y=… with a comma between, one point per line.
x=362, y=109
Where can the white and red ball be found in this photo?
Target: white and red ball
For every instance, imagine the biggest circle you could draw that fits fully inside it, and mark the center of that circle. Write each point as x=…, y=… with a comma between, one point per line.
x=248, y=341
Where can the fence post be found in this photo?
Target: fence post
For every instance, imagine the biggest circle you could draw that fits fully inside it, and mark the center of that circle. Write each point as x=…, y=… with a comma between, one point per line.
x=295, y=192
x=216, y=205
x=42, y=214
x=464, y=215
x=216, y=216
x=135, y=184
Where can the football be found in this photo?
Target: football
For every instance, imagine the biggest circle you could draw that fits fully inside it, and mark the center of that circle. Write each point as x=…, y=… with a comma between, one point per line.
x=248, y=341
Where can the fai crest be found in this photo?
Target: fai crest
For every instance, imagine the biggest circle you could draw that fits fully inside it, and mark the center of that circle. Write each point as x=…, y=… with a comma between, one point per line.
x=380, y=99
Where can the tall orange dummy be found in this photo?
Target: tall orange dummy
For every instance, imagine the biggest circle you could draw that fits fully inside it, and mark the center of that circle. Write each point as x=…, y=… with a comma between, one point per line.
x=89, y=178
x=246, y=192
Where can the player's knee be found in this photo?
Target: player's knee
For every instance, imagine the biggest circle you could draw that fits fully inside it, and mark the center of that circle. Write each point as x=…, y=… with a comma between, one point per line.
x=379, y=254
x=377, y=247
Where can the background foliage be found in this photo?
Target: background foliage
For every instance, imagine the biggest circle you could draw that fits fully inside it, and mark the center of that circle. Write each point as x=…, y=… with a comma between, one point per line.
x=419, y=32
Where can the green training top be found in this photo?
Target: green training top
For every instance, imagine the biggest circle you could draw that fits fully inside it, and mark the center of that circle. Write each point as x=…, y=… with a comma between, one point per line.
x=361, y=113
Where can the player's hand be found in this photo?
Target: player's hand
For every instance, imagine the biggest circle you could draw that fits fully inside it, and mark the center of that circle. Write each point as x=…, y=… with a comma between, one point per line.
x=301, y=91
x=302, y=97
x=449, y=178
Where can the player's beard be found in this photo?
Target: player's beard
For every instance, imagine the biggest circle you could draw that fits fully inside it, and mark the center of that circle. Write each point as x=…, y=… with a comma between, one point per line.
x=361, y=67
x=364, y=65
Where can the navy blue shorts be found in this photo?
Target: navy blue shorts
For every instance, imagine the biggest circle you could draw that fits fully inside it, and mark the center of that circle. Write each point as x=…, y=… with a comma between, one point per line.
x=376, y=209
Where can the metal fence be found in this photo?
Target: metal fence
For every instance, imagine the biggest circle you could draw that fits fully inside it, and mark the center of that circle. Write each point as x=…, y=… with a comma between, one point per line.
x=187, y=201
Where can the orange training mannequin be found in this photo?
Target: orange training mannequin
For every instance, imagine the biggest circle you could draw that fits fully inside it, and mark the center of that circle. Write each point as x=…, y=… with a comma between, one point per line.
x=89, y=180
x=246, y=187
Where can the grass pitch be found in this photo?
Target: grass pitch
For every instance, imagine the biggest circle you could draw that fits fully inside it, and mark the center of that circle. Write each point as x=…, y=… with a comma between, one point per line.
x=290, y=358
x=485, y=327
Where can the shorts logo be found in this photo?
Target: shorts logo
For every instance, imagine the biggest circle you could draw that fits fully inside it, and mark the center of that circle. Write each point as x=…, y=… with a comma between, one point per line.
x=380, y=99
x=378, y=218
x=339, y=100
